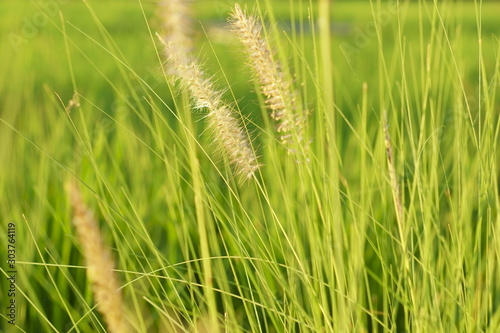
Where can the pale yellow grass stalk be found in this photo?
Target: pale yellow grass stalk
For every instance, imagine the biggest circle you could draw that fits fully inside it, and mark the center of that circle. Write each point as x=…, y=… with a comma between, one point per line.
x=278, y=90
x=99, y=263
x=227, y=130
x=396, y=192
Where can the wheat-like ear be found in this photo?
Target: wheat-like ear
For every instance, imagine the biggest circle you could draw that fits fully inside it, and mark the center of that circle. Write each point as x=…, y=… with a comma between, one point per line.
x=227, y=130
x=278, y=91
x=176, y=17
x=99, y=263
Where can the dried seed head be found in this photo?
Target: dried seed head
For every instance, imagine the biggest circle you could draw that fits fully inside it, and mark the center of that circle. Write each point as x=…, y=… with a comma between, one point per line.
x=99, y=262
x=176, y=17
x=228, y=132
x=279, y=95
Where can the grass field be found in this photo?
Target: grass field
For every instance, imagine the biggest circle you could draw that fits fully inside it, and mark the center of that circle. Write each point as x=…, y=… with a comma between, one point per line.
x=379, y=212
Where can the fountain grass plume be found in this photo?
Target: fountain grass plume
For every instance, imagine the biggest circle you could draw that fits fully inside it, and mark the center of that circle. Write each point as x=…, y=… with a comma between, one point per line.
x=99, y=264
x=277, y=89
x=230, y=136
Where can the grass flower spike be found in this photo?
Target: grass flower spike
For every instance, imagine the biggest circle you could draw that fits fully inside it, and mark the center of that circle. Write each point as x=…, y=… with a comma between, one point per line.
x=100, y=264
x=228, y=133
x=175, y=15
x=273, y=84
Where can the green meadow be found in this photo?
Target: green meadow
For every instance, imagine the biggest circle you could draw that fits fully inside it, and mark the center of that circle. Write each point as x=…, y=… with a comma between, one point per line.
x=382, y=216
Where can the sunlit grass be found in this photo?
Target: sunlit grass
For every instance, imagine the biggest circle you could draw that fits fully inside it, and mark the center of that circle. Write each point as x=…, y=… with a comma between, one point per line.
x=389, y=223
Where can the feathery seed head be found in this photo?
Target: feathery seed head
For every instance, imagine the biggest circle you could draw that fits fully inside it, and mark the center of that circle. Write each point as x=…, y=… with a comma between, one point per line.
x=228, y=133
x=177, y=23
x=234, y=141
x=280, y=97
x=99, y=262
